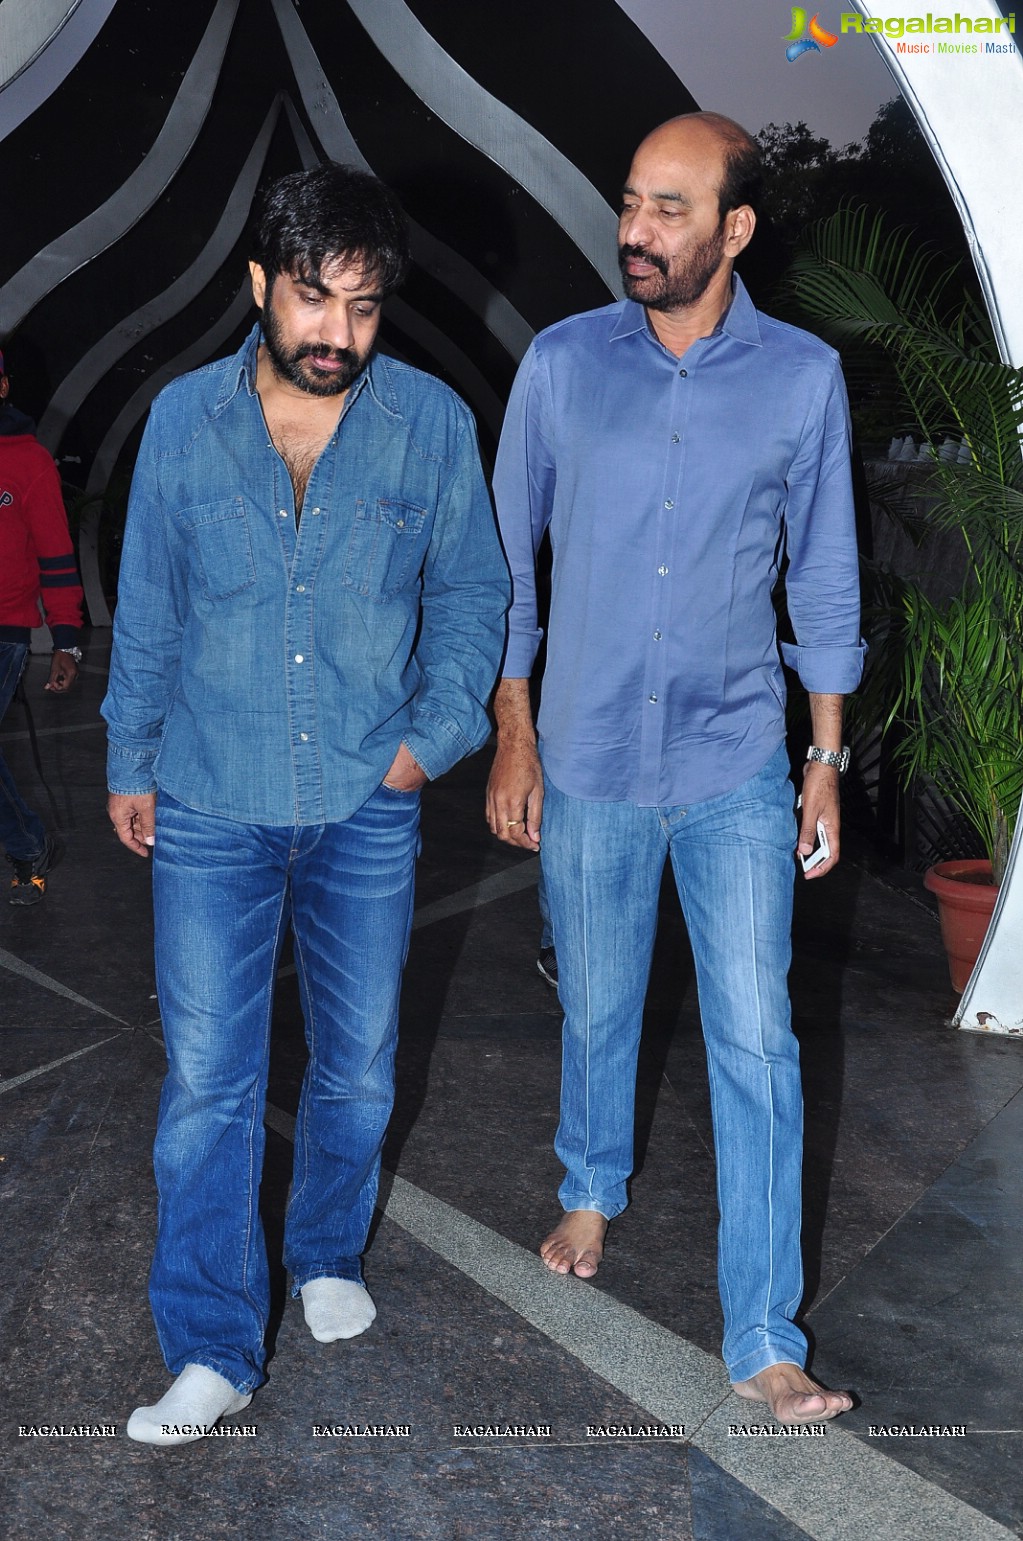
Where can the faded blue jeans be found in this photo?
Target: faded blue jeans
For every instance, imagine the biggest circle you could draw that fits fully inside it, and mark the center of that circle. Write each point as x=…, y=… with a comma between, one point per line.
x=223, y=895
x=22, y=833
x=733, y=862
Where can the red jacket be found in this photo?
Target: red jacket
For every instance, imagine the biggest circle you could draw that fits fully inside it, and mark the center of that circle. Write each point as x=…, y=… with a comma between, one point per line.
x=37, y=559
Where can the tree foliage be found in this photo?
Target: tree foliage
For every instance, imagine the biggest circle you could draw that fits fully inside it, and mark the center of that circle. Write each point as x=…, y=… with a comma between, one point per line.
x=949, y=674
x=807, y=178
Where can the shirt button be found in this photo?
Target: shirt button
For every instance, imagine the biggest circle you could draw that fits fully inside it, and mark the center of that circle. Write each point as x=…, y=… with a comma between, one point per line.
x=300, y=658
x=282, y=513
x=657, y=636
x=669, y=503
x=663, y=571
x=300, y=588
x=653, y=700
x=683, y=373
x=304, y=737
x=675, y=438
x=314, y=510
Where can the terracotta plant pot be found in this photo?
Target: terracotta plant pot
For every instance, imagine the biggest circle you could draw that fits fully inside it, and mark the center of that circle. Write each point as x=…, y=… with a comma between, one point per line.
x=966, y=896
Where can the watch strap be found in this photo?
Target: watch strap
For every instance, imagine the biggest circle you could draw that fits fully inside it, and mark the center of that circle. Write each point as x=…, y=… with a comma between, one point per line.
x=838, y=758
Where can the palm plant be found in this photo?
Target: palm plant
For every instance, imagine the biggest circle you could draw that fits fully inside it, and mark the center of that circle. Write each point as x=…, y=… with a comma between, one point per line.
x=949, y=673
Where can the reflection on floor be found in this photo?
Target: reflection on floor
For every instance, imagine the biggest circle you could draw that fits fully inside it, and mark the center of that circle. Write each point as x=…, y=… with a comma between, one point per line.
x=914, y=1250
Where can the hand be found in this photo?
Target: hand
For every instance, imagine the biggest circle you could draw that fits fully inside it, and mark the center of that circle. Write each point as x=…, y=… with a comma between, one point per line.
x=820, y=801
x=515, y=794
x=406, y=774
x=63, y=672
x=134, y=820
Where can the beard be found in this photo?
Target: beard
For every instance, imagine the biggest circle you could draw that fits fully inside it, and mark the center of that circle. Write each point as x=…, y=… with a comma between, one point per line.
x=287, y=363
x=682, y=281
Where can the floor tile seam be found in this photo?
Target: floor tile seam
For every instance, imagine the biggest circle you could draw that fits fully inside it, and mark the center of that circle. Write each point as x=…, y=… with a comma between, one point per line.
x=687, y=1118
x=920, y=1197
x=30, y=1028
x=867, y=871
x=18, y=966
x=498, y=885
x=12, y=1083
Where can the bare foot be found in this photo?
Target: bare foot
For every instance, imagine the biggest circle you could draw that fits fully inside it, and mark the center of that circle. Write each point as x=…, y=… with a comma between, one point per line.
x=792, y=1396
x=576, y=1245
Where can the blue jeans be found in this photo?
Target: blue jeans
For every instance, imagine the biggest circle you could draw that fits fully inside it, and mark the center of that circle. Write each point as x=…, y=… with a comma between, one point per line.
x=733, y=862
x=546, y=929
x=223, y=894
x=22, y=833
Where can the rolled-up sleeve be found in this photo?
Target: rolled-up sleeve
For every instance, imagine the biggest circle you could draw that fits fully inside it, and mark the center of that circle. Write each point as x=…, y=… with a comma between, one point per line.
x=524, y=479
x=822, y=580
x=464, y=606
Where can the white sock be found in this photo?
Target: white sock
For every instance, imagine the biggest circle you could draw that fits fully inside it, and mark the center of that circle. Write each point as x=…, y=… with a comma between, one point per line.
x=336, y=1308
x=197, y=1399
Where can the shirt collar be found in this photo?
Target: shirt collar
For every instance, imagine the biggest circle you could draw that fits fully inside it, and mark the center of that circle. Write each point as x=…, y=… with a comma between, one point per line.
x=248, y=360
x=740, y=321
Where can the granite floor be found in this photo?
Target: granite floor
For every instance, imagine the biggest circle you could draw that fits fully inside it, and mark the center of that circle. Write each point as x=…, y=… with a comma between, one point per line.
x=913, y=1233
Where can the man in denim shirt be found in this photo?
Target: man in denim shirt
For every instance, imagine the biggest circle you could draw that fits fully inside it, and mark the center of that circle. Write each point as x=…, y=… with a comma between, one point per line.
x=310, y=617
x=677, y=444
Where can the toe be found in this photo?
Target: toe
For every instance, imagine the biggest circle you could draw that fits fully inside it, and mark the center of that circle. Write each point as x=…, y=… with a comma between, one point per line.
x=585, y=1265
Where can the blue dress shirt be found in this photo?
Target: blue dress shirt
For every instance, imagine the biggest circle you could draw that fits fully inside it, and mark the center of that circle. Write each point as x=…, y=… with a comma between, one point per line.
x=268, y=672
x=672, y=489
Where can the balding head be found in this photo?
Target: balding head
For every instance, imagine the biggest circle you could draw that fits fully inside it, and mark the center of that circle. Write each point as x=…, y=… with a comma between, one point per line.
x=724, y=144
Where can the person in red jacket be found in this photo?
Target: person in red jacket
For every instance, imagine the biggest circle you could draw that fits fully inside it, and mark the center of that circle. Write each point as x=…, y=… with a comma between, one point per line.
x=37, y=562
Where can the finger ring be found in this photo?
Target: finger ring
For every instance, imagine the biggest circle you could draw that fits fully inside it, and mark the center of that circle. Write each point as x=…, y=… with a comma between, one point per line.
x=511, y=823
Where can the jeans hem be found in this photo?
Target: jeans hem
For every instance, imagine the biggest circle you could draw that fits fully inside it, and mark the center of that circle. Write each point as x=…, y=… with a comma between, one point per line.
x=609, y=1211
x=351, y=1273
x=762, y=1359
x=252, y=1382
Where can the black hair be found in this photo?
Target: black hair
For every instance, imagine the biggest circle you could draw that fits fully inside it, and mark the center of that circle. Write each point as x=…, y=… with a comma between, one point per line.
x=742, y=181
x=331, y=213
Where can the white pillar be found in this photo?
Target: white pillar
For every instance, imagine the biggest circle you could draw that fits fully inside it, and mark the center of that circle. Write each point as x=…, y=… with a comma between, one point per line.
x=970, y=107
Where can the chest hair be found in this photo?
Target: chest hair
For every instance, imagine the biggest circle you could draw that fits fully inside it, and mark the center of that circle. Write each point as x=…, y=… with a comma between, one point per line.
x=299, y=456
x=299, y=446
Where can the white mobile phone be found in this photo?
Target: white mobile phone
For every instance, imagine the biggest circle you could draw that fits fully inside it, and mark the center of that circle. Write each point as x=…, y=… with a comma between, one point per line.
x=820, y=852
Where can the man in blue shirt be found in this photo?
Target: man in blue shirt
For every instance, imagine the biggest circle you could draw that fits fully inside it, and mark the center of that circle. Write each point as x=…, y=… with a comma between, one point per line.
x=311, y=611
x=678, y=445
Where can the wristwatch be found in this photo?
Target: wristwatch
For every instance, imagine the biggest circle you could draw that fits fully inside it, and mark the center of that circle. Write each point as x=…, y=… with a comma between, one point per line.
x=839, y=759
x=72, y=652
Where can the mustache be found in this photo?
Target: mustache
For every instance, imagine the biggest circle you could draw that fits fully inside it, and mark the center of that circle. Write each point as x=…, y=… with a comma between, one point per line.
x=654, y=258
x=312, y=350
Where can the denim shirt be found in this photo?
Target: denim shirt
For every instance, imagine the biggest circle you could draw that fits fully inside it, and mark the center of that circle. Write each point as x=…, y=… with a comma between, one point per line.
x=673, y=488
x=266, y=670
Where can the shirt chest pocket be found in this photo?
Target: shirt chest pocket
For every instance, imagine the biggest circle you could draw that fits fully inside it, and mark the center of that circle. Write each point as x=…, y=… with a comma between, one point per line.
x=222, y=547
x=386, y=547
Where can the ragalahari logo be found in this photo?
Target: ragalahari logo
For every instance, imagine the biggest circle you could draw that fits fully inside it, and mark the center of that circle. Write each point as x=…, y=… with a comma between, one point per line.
x=798, y=44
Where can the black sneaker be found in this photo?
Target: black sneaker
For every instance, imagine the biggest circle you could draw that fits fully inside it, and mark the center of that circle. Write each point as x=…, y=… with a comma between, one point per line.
x=547, y=966
x=28, y=885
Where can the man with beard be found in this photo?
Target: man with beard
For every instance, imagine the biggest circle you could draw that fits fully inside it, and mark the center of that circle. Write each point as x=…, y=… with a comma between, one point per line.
x=310, y=617
x=678, y=444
